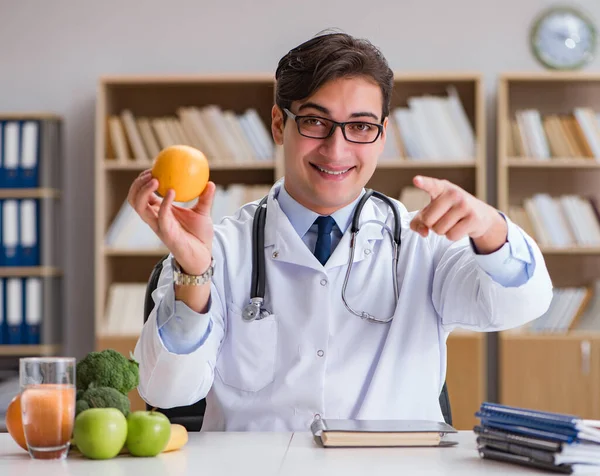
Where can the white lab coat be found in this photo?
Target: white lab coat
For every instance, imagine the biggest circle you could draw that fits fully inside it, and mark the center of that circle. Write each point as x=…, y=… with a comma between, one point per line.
x=311, y=357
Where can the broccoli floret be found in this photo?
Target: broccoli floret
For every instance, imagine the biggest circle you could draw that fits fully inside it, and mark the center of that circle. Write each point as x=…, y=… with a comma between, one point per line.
x=81, y=405
x=103, y=397
x=107, y=368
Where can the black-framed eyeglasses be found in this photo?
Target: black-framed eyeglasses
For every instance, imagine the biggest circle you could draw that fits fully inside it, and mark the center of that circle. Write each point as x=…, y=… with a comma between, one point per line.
x=316, y=127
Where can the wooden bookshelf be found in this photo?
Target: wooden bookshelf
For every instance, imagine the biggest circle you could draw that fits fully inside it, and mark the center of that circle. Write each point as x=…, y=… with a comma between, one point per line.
x=155, y=96
x=549, y=370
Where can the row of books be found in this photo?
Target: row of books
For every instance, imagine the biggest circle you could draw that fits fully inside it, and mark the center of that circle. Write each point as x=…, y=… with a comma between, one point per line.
x=563, y=221
x=129, y=231
x=533, y=135
x=430, y=128
x=222, y=135
x=571, y=309
x=553, y=442
x=124, y=313
x=28, y=152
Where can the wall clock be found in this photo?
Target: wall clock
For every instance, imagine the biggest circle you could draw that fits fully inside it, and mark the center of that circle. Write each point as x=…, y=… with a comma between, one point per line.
x=563, y=38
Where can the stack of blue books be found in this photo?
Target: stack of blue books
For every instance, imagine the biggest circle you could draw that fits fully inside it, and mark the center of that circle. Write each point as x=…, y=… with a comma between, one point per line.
x=555, y=442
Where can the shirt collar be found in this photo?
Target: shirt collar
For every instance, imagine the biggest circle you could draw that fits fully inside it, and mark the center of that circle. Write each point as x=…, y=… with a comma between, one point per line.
x=302, y=218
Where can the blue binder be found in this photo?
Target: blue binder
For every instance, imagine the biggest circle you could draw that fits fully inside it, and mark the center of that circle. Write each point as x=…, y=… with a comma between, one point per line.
x=12, y=152
x=32, y=310
x=14, y=310
x=29, y=156
x=2, y=312
x=9, y=240
x=29, y=235
x=2, y=174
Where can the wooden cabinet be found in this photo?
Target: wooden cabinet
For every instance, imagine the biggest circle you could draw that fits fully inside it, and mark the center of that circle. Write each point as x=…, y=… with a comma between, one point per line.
x=466, y=377
x=551, y=373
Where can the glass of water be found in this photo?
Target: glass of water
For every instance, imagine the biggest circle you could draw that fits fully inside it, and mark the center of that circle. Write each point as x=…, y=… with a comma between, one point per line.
x=48, y=404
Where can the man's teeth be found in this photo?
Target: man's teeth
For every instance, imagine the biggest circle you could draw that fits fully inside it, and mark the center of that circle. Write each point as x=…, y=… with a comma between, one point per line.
x=331, y=172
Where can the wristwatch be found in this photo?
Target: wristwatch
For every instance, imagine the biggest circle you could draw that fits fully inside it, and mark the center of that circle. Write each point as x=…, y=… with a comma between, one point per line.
x=182, y=279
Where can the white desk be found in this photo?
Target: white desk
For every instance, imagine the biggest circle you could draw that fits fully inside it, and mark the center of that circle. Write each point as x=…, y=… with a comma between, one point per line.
x=266, y=454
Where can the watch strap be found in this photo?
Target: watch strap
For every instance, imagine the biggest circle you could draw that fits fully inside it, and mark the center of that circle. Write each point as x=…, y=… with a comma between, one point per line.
x=183, y=279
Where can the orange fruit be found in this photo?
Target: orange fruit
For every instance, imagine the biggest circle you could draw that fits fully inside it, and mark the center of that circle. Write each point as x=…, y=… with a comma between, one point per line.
x=182, y=168
x=14, y=422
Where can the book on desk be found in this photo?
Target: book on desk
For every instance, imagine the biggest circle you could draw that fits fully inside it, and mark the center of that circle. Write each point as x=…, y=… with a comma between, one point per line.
x=381, y=433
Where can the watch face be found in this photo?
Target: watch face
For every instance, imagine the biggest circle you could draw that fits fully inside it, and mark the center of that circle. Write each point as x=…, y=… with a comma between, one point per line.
x=563, y=38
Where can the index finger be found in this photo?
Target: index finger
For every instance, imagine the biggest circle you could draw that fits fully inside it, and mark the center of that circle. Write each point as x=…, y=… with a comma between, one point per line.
x=433, y=186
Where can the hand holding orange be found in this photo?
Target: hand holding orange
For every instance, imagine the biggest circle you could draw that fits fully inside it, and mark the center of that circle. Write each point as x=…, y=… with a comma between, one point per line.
x=182, y=168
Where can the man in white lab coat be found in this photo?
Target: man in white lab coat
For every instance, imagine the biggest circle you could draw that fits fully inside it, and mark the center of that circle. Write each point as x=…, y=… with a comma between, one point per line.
x=462, y=265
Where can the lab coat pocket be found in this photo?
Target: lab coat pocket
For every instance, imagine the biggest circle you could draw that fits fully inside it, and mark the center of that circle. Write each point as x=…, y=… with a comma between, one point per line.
x=247, y=360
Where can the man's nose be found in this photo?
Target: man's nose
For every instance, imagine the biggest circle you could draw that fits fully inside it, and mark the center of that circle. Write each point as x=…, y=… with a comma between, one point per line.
x=335, y=146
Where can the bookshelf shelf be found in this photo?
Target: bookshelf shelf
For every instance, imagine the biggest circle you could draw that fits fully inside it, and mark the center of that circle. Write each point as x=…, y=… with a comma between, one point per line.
x=139, y=252
x=160, y=97
x=27, y=350
x=24, y=271
x=555, y=162
x=110, y=164
x=29, y=193
x=425, y=164
x=579, y=250
x=553, y=364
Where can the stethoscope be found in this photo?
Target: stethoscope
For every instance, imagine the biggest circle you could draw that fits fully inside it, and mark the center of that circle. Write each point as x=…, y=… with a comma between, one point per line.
x=255, y=311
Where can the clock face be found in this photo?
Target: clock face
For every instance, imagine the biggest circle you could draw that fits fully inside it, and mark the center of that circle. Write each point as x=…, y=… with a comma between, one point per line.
x=563, y=38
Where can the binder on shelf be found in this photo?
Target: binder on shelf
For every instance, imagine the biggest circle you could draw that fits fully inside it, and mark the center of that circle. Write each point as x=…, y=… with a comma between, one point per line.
x=2, y=313
x=32, y=307
x=30, y=252
x=10, y=233
x=30, y=154
x=2, y=154
x=11, y=149
x=14, y=311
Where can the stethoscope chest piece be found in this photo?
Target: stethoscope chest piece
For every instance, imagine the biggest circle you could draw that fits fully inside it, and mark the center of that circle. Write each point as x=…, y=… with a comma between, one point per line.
x=253, y=312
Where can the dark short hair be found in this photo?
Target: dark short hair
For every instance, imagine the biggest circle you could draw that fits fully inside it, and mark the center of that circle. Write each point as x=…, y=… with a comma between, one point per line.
x=328, y=56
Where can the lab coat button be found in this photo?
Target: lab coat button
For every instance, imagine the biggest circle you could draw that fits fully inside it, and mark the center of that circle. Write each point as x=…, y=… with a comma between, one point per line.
x=275, y=254
x=323, y=282
x=320, y=353
x=367, y=251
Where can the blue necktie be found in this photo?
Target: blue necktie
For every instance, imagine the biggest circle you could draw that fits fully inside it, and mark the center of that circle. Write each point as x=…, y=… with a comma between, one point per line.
x=323, y=246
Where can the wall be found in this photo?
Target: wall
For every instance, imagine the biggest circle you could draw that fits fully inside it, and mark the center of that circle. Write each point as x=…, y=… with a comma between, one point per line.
x=53, y=53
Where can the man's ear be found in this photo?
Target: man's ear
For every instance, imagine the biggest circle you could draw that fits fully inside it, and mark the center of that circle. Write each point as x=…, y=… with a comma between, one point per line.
x=385, y=124
x=277, y=124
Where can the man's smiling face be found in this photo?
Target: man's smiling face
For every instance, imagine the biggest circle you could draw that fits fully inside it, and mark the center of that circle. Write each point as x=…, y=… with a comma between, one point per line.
x=325, y=175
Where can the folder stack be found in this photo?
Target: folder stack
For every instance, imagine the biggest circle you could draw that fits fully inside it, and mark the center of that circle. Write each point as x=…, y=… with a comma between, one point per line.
x=555, y=442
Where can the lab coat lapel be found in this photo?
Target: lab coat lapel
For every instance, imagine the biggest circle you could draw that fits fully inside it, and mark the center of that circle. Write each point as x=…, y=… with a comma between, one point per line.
x=282, y=243
x=365, y=239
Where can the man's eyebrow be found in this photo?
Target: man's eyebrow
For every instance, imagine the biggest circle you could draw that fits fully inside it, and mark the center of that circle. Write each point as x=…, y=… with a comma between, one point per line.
x=324, y=110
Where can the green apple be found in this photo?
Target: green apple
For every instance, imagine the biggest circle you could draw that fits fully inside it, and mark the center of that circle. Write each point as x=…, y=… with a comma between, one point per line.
x=148, y=433
x=100, y=433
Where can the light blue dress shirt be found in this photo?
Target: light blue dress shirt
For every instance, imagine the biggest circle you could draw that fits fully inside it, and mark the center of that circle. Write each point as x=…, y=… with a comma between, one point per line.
x=512, y=265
